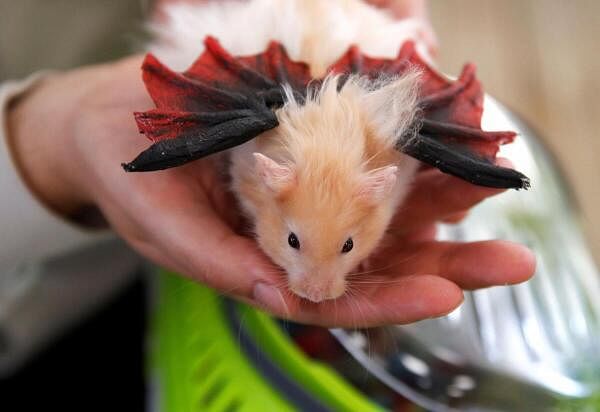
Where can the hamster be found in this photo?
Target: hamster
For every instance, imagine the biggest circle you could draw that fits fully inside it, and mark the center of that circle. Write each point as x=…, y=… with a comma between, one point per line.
x=322, y=187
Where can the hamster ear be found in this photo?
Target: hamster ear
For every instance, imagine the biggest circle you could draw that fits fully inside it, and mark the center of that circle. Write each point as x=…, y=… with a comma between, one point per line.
x=392, y=107
x=377, y=185
x=277, y=177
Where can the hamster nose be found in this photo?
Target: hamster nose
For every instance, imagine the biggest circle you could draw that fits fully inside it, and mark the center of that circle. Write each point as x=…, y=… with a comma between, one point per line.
x=314, y=296
x=308, y=291
x=317, y=292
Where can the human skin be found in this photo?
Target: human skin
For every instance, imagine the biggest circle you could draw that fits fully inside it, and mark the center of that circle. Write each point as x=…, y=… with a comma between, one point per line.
x=70, y=133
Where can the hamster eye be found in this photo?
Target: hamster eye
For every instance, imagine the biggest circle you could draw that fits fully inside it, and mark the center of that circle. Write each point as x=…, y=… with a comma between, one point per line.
x=348, y=245
x=293, y=241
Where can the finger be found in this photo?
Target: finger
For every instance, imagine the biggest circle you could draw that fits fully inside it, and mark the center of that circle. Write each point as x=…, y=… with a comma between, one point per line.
x=206, y=249
x=393, y=238
x=407, y=300
x=437, y=196
x=470, y=265
x=208, y=173
x=455, y=218
x=224, y=260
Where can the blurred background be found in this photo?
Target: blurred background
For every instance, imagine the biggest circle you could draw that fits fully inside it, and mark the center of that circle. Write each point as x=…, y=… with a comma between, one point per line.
x=539, y=58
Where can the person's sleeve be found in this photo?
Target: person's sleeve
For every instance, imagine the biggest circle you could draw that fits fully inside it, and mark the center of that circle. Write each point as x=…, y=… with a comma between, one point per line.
x=28, y=231
x=52, y=273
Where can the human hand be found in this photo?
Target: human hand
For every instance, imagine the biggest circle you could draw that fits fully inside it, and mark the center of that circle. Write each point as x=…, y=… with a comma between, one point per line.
x=71, y=133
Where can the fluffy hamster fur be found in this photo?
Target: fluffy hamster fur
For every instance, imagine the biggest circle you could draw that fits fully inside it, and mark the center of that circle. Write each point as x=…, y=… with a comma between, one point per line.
x=329, y=172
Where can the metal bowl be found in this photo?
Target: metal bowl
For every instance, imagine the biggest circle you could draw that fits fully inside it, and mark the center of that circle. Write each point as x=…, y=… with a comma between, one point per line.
x=533, y=346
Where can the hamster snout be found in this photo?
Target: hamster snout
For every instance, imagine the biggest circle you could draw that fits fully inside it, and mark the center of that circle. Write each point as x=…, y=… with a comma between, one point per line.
x=317, y=287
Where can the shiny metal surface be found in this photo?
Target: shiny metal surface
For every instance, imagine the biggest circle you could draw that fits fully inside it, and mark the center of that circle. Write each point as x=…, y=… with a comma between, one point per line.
x=533, y=346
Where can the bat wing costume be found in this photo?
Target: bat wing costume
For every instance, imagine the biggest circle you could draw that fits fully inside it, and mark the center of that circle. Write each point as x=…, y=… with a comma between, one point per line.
x=223, y=101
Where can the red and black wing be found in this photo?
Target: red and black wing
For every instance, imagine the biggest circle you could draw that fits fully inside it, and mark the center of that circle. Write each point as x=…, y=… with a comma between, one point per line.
x=220, y=102
x=450, y=137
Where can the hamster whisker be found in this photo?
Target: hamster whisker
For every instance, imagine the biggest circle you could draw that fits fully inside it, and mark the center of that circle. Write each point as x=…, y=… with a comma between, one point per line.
x=276, y=272
x=377, y=281
x=366, y=272
x=350, y=296
x=358, y=294
x=354, y=295
x=412, y=256
x=335, y=311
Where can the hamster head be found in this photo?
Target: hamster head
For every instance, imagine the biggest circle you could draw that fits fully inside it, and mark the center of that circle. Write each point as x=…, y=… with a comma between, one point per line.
x=320, y=228
x=330, y=180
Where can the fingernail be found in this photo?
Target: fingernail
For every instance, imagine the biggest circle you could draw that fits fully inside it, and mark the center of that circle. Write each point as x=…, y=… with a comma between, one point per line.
x=270, y=298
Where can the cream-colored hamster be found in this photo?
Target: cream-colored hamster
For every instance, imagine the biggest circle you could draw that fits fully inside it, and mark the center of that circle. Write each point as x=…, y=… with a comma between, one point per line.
x=322, y=187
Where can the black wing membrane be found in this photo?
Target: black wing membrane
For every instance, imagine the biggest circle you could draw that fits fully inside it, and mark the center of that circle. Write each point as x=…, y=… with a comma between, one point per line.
x=228, y=129
x=463, y=163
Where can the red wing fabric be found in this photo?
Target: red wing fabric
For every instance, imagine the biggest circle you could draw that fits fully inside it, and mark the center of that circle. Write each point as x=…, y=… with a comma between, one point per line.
x=222, y=101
